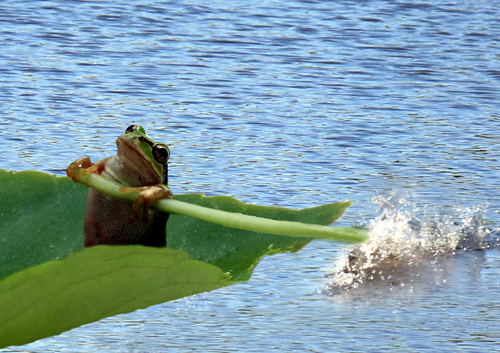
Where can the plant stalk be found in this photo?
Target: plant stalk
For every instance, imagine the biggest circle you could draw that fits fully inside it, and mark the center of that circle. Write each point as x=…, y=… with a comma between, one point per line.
x=228, y=219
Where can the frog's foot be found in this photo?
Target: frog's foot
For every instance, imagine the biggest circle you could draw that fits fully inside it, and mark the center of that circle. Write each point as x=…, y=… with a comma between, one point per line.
x=145, y=195
x=71, y=170
x=87, y=167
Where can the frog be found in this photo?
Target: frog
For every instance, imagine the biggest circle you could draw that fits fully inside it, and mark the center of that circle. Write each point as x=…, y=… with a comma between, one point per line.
x=141, y=165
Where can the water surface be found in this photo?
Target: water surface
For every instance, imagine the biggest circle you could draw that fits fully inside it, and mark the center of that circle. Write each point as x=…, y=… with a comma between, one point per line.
x=294, y=104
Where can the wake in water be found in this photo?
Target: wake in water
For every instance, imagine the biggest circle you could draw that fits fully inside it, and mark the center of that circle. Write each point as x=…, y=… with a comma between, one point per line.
x=406, y=240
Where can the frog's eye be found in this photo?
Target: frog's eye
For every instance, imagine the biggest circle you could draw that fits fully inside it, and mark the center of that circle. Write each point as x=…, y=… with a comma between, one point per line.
x=131, y=128
x=161, y=153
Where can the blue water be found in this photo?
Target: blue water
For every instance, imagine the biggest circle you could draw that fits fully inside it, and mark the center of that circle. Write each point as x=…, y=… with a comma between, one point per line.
x=295, y=104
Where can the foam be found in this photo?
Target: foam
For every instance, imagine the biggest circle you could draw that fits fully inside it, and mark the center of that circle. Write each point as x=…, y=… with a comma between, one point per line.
x=406, y=240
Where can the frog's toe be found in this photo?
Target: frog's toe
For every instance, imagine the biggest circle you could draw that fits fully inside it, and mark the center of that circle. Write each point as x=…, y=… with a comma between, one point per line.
x=71, y=170
x=132, y=214
x=145, y=212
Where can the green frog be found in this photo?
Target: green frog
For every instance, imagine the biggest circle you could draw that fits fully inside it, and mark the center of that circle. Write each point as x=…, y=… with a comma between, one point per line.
x=140, y=165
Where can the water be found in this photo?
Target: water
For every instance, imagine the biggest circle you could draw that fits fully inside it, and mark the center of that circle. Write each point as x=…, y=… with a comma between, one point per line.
x=295, y=104
x=403, y=246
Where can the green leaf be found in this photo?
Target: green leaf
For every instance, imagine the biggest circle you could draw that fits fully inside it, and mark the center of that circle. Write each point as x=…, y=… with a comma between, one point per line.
x=41, y=219
x=238, y=251
x=98, y=282
x=49, y=284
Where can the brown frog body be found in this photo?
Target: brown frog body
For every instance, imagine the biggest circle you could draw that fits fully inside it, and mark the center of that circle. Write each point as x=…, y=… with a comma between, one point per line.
x=140, y=165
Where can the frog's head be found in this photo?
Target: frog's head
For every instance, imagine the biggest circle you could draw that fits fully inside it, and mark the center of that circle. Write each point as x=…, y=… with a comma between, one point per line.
x=139, y=152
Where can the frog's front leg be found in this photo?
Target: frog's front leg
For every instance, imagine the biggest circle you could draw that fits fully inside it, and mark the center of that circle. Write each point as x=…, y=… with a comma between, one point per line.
x=145, y=195
x=87, y=167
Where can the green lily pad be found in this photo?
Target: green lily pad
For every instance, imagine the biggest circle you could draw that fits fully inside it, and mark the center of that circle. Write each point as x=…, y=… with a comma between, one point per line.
x=41, y=219
x=95, y=283
x=238, y=251
x=49, y=283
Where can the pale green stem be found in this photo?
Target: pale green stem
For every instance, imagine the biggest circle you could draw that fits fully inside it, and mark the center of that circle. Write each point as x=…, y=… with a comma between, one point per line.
x=228, y=219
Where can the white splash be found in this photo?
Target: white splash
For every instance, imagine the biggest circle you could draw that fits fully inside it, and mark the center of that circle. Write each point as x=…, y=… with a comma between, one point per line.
x=405, y=239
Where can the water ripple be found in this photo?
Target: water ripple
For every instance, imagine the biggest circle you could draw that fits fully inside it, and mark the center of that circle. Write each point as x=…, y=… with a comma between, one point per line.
x=301, y=103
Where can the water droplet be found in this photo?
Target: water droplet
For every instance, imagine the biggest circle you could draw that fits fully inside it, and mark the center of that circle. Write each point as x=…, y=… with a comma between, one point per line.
x=405, y=237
